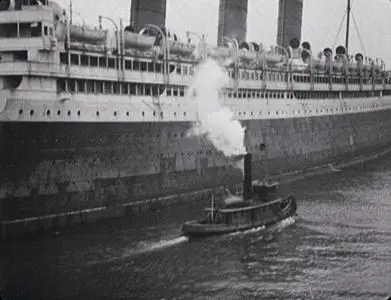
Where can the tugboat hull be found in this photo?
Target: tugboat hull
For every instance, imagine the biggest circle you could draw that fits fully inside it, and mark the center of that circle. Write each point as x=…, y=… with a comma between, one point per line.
x=272, y=215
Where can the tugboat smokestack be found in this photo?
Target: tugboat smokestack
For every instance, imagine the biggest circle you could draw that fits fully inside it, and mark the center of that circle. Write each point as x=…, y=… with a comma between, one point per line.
x=247, y=182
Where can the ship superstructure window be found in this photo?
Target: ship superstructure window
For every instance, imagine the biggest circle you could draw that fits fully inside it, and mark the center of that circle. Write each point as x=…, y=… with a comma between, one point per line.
x=128, y=64
x=81, y=86
x=111, y=63
x=91, y=86
x=143, y=66
x=93, y=61
x=72, y=86
x=147, y=89
x=140, y=89
x=108, y=87
x=333, y=95
x=84, y=60
x=158, y=67
x=74, y=59
x=117, y=88
x=132, y=89
x=64, y=58
x=36, y=29
x=61, y=85
x=102, y=62
x=8, y=31
x=125, y=88
x=99, y=87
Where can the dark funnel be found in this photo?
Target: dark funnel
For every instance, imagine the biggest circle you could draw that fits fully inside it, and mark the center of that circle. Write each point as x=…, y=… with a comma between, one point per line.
x=247, y=182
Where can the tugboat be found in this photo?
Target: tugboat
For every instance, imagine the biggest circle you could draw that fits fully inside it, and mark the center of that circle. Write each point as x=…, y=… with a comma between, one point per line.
x=258, y=206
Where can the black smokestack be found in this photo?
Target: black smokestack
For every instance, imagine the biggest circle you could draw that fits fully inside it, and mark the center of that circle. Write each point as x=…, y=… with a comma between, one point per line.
x=247, y=182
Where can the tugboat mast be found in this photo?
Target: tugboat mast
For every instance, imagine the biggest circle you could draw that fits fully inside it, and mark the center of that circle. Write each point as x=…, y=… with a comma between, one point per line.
x=348, y=26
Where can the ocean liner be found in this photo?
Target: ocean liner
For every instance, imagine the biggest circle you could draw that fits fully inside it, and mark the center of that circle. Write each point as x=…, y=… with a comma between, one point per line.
x=96, y=124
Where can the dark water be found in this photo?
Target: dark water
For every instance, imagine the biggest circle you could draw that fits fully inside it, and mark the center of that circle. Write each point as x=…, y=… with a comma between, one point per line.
x=339, y=248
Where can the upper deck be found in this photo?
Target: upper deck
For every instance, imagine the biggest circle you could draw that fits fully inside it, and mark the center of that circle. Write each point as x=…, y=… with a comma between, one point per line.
x=37, y=39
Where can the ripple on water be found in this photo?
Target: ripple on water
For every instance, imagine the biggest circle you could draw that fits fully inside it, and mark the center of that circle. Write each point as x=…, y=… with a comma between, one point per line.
x=339, y=248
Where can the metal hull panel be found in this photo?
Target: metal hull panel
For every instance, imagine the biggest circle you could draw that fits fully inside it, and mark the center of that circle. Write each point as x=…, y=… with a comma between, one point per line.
x=56, y=168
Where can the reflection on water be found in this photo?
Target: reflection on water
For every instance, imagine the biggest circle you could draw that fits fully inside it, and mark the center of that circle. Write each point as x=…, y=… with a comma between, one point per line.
x=338, y=248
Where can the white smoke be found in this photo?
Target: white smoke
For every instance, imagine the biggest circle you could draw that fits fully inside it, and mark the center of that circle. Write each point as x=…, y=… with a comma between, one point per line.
x=214, y=120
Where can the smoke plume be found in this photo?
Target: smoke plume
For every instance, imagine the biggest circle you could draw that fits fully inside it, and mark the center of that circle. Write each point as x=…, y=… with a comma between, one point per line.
x=214, y=120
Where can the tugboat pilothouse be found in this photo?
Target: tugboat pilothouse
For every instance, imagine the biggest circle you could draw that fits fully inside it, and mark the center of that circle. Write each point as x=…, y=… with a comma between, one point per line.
x=91, y=127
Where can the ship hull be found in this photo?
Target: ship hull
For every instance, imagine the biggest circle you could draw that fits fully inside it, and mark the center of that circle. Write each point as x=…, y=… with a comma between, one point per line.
x=52, y=172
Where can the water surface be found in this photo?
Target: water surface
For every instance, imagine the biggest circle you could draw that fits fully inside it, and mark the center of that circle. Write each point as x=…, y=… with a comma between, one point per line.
x=338, y=248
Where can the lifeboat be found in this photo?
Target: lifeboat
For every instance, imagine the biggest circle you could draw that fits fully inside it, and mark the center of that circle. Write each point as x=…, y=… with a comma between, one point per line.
x=220, y=52
x=179, y=48
x=135, y=40
x=272, y=59
x=88, y=47
x=85, y=34
x=248, y=51
x=247, y=55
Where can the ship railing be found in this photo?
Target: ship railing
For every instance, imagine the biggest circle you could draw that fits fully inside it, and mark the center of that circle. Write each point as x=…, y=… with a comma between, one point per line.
x=28, y=67
x=165, y=47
